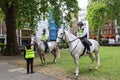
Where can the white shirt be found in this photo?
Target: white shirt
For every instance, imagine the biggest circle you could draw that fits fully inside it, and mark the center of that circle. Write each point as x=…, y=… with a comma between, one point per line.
x=85, y=31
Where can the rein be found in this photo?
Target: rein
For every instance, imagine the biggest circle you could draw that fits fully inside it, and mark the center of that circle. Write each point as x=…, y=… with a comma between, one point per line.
x=70, y=41
x=74, y=47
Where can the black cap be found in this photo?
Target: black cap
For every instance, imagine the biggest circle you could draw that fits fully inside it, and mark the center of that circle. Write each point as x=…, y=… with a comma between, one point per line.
x=44, y=30
x=28, y=42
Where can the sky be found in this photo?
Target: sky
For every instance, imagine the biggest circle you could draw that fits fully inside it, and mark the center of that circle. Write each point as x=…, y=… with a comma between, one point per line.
x=82, y=3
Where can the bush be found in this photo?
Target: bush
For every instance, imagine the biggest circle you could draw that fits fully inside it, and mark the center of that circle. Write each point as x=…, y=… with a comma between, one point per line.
x=2, y=47
x=104, y=41
x=63, y=45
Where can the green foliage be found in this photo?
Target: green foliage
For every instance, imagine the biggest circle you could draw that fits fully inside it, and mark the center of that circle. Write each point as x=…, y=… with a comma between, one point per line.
x=63, y=45
x=96, y=15
x=101, y=12
x=2, y=16
x=62, y=10
x=104, y=42
x=28, y=14
x=2, y=47
x=31, y=11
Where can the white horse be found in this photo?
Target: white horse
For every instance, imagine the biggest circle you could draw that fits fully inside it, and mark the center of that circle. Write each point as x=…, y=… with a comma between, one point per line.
x=53, y=48
x=77, y=48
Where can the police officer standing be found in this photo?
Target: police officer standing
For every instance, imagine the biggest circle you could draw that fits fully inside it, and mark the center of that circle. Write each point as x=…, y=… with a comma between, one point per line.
x=29, y=56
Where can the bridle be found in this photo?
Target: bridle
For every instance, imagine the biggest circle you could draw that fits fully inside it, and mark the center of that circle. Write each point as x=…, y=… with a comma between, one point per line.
x=61, y=38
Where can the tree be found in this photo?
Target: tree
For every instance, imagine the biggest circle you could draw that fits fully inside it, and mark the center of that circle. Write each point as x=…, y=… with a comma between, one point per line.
x=101, y=12
x=97, y=17
x=112, y=8
x=28, y=12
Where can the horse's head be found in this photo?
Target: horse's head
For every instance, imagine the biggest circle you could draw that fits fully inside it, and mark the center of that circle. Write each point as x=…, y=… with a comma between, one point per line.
x=61, y=35
x=33, y=40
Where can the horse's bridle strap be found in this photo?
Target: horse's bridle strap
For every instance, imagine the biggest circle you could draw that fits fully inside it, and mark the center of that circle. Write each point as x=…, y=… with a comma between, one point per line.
x=60, y=38
x=72, y=40
x=74, y=47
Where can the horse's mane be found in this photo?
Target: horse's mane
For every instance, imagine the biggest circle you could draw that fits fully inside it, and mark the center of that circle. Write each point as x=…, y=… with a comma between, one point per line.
x=70, y=34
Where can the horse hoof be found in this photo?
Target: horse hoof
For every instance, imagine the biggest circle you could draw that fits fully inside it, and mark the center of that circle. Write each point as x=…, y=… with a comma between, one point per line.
x=76, y=77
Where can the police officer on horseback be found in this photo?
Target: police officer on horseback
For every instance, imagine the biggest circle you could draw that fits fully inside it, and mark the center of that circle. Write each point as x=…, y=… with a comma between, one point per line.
x=44, y=38
x=83, y=35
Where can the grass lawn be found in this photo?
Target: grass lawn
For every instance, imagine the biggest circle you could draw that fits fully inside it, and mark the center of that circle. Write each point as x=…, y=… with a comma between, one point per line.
x=108, y=70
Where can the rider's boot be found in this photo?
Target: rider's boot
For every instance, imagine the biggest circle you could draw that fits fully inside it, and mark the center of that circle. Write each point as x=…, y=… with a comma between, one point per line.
x=88, y=50
x=45, y=50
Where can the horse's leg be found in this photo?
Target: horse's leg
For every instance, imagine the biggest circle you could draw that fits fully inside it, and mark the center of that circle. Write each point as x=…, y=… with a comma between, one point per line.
x=92, y=60
x=97, y=59
x=40, y=55
x=54, y=54
x=76, y=60
x=41, y=59
x=44, y=59
x=57, y=52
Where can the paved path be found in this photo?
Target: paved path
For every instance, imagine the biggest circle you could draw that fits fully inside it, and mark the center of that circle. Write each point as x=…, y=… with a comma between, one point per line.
x=10, y=72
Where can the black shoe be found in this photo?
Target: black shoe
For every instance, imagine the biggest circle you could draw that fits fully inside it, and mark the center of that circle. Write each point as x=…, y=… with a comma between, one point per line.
x=32, y=72
x=45, y=50
x=27, y=72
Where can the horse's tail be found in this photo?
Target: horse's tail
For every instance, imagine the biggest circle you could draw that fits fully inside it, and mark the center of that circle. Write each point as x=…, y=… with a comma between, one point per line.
x=58, y=51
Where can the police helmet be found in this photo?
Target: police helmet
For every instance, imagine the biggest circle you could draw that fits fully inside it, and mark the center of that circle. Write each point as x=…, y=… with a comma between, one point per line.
x=80, y=23
x=44, y=30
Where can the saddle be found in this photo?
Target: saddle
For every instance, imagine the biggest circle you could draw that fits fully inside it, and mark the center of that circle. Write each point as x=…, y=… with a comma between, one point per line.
x=86, y=44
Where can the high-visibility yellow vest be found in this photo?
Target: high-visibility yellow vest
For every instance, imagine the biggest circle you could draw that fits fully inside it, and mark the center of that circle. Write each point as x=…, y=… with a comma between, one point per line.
x=80, y=31
x=30, y=52
x=43, y=37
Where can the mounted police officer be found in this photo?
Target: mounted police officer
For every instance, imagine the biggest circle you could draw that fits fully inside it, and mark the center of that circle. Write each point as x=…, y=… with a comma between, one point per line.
x=83, y=35
x=44, y=38
x=29, y=56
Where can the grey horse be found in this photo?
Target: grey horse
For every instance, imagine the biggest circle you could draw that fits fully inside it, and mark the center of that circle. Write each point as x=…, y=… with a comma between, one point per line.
x=53, y=48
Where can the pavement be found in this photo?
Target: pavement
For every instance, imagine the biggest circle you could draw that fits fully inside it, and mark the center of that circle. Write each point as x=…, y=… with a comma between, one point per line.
x=12, y=72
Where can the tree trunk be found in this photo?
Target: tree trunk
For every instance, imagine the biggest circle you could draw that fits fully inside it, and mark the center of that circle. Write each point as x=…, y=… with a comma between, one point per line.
x=99, y=35
x=12, y=45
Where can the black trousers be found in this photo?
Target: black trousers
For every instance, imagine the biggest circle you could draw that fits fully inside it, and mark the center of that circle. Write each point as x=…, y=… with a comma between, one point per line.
x=46, y=46
x=86, y=43
x=29, y=65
